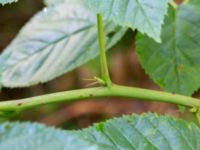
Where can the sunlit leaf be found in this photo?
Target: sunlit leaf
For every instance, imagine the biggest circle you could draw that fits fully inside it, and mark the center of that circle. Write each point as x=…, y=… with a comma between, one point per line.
x=145, y=15
x=55, y=41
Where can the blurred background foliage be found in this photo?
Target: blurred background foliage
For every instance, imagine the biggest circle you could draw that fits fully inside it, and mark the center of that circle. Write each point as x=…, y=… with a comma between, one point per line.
x=124, y=68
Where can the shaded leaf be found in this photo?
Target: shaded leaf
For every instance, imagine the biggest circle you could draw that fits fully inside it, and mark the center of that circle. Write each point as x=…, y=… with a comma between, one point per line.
x=144, y=15
x=175, y=64
x=55, y=41
x=147, y=132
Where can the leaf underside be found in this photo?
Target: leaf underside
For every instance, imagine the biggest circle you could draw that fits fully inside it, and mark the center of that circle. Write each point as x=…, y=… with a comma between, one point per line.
x=55, y=41
x=146, y=132
x=53, y=2
x=144, y=15
x=3, y=2
x=175, y=64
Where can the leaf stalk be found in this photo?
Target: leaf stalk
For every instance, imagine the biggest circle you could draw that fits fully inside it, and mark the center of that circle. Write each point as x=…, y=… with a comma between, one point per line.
x=102, y=50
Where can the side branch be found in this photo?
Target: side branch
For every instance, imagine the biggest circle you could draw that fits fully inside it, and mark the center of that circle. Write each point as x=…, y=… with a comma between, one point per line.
x=113, y=91
x=102, y=50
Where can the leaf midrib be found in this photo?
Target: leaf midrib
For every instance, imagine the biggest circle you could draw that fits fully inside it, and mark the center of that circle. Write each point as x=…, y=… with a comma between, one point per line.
x=48, y=45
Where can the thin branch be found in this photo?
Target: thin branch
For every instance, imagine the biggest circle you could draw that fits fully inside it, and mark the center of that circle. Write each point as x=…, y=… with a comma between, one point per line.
x=8, y=107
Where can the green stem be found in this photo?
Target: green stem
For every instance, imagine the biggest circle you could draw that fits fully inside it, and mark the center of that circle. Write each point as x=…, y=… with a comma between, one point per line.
x=113, y=91
x=102, y=50
x=173, y=4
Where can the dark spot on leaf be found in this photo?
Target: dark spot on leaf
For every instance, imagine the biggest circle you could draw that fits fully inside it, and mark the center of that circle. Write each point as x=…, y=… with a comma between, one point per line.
x=128, y=119
x=111, y=34
x=180, y=68
x=173, y=93
x=19, y=104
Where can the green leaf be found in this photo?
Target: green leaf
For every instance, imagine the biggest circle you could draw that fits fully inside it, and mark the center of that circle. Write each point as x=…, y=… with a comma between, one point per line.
x=55, y=41
x=3, y=2
x=53, y=2
x=175, y=64
x=147, y=132
x=145, y=15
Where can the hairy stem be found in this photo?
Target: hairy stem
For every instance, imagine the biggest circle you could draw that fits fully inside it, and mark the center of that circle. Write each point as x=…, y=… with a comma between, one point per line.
x=113, y=91
x=102, y=50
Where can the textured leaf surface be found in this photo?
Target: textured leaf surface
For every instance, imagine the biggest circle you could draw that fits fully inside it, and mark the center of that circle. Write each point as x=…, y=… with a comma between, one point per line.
x=147, y=132
x=3, y=2
x=145, y=15
x=175, y=64
x=56, y=40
